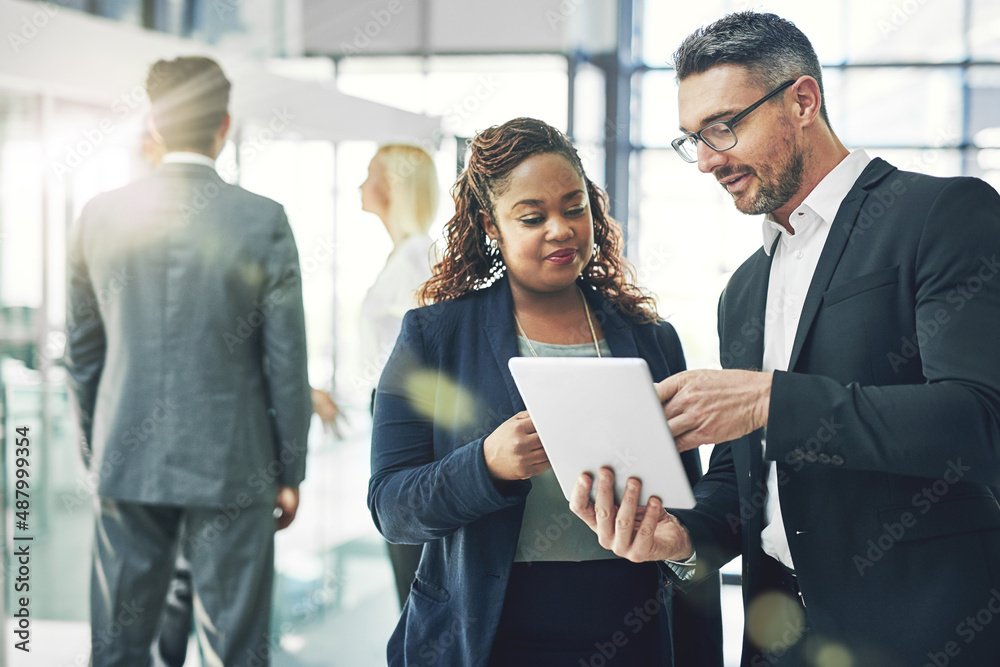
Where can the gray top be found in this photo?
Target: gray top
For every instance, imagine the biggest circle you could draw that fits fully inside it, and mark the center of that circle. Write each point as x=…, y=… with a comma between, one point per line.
x=549, y=530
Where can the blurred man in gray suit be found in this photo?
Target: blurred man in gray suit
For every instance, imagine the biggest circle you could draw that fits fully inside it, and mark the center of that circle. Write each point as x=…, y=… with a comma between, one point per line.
x=187, y=360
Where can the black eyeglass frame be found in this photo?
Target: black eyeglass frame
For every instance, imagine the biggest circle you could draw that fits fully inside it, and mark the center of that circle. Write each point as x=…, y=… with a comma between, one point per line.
x=676, y=143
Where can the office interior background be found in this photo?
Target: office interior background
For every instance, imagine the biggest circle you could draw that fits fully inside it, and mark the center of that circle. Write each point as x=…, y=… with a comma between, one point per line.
x=317, y=86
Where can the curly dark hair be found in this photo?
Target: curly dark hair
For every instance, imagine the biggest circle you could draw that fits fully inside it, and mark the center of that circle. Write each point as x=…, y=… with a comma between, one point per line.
x=467, y=265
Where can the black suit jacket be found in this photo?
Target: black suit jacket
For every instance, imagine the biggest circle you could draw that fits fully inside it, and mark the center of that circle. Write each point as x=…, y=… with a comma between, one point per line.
x=885, y=429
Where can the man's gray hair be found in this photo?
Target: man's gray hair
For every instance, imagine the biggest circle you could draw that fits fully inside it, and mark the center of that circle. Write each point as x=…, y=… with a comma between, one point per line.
x=770, y=47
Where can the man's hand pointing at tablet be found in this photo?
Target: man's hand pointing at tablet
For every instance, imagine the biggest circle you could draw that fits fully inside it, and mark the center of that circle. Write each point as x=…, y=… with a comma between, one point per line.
x=637, y=533
x=709, y=406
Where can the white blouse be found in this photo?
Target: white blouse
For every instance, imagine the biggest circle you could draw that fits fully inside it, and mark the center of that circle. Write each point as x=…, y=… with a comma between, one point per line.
x=385, y=303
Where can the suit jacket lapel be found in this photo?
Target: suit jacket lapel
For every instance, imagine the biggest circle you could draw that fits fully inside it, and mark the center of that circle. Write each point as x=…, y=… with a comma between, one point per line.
x=753, y=310
x=840, y=232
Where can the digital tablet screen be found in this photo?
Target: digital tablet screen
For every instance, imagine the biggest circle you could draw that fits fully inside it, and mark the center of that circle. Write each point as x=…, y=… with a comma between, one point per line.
x=591, y=413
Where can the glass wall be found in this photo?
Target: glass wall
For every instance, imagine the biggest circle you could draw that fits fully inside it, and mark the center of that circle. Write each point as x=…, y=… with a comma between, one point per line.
x=915, y=83
x=53, y=158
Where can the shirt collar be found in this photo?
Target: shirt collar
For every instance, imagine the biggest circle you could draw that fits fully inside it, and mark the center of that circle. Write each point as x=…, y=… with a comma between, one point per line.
x=825, y=199
x=187, y=157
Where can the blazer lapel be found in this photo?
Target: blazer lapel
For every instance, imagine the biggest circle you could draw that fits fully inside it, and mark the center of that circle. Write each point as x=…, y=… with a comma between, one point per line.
x=840, y=232
x=616, y=330
x=499, y=329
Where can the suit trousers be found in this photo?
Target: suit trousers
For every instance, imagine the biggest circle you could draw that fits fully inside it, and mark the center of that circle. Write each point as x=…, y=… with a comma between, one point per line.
x=778, y=619
x=231, y=552
x=178, y=618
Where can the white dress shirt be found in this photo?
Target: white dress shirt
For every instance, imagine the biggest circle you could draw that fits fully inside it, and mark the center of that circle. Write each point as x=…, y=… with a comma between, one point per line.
x=792, y=269
x=187, y=157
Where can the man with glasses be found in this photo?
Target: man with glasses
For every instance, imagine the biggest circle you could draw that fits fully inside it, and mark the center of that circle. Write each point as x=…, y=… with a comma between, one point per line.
x=858, y=415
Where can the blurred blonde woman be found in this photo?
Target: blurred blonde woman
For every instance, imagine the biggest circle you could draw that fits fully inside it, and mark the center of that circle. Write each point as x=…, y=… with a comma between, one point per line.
x=402, y=190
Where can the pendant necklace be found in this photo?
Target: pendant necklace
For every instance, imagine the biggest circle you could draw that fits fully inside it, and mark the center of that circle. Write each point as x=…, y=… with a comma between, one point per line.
x=590, y=322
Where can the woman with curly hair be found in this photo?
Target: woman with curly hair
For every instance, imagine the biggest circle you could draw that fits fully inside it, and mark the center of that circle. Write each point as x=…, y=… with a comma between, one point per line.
x=509, y=576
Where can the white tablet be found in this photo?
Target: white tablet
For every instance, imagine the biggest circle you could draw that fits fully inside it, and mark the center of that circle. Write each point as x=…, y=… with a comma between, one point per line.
x=593, y=412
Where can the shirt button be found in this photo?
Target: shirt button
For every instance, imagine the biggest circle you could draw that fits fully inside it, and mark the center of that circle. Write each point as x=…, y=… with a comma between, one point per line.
x=798, y=254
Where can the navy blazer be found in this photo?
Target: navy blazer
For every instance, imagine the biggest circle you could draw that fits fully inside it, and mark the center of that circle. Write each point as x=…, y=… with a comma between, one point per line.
x=444, y=389
x=885, y=429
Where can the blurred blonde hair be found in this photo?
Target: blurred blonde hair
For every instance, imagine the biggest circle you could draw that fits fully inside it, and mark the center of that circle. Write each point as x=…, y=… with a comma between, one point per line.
x=413, y=187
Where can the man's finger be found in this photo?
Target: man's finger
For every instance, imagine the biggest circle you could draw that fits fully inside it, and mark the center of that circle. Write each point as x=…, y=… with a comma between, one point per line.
x=689, y=441
x=640, y=512
x=625, y=520
x=642, y=546
x=604, y=507
x=680, y=425
x=666, y=389
x=673, y=410
x=579, y=500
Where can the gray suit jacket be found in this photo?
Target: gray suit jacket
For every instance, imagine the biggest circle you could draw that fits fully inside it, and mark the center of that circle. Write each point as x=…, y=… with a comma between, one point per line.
x=186, y=342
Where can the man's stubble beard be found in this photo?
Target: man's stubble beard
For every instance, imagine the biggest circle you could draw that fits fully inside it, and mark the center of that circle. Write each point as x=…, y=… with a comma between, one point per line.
x=778, y=188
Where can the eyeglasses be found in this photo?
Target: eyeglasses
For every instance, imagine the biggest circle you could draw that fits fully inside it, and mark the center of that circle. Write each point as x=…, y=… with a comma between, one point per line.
x=719, y=136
